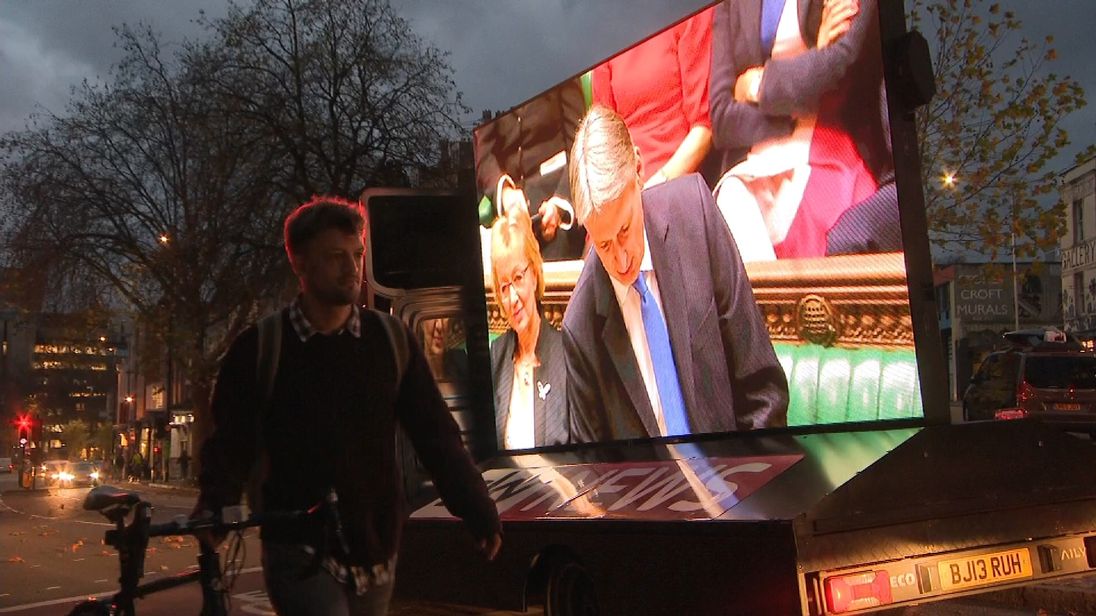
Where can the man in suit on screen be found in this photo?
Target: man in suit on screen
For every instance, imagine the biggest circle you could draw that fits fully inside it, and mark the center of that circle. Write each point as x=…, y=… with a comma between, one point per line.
x=662, y=334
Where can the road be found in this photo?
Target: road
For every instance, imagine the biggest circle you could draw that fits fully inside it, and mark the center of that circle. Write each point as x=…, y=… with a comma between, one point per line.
x=51, y=555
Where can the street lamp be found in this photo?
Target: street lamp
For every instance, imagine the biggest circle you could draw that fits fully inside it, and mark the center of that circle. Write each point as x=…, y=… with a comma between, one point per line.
x=128, y=409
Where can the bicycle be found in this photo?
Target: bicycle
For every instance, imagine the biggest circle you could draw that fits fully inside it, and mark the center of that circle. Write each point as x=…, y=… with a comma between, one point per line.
x=131, y=541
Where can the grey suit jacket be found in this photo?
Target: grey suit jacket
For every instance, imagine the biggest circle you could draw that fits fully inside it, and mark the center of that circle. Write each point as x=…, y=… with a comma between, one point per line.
x=550, y=422
x=729, y=374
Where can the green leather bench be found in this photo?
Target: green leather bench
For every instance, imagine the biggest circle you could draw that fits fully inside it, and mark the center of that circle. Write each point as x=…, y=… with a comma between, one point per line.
x=836, y=385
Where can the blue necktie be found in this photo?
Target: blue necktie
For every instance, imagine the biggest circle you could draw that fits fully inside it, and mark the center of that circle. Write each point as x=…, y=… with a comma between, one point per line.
x=658, y=340
x=770, y=19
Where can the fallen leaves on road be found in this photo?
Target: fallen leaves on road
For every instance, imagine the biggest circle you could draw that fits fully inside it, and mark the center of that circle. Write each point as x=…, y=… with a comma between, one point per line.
x=175, y=543
x=16, y=559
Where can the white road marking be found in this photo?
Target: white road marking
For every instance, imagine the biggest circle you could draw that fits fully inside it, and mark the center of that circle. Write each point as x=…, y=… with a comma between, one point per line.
x=102, y=581
x=53, y=587
x=51, y=518
x=30, y=606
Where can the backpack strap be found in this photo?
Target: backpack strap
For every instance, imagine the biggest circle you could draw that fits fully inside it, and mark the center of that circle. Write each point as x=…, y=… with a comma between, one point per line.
x=397, y=340
x=266, y=360
x=267, y=357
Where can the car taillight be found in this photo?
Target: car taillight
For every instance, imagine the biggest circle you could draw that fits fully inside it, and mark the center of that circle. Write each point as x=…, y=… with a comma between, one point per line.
x=1025, y=392
x=1010, y=414
x=857, y=591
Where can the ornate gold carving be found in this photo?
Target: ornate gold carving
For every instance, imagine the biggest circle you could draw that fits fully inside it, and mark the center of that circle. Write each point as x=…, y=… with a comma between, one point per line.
x=816, y=321
x=854, y=301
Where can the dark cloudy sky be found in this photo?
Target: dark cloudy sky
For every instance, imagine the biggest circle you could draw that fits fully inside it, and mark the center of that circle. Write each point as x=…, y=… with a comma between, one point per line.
x=503, y=51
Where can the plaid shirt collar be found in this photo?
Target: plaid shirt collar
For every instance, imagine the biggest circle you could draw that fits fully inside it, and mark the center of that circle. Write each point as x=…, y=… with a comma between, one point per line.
x=305, y=330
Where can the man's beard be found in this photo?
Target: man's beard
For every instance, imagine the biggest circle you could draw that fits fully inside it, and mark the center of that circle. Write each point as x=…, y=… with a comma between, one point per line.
x=337, y=296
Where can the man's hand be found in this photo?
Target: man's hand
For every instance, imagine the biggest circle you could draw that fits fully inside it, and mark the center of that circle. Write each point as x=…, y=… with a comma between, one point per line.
x=748, y=85
x=206, y=536
x=837, y=16
x=549, y=220
x=490, y=547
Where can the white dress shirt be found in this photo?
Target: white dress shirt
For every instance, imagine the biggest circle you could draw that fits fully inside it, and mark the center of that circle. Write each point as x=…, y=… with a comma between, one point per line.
x=520, y=432
x=630, y=306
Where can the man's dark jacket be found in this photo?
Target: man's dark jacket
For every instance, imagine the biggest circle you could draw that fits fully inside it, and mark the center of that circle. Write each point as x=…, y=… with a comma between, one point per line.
x=331, y=422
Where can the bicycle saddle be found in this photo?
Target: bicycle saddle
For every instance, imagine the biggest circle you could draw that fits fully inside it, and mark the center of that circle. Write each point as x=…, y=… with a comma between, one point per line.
x=103, y=497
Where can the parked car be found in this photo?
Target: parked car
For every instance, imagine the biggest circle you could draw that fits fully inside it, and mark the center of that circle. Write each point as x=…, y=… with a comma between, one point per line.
x=1048, y=380
x=6, y=465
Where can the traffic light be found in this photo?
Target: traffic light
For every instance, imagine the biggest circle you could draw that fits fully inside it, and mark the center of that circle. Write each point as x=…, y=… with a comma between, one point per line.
x=23, y=423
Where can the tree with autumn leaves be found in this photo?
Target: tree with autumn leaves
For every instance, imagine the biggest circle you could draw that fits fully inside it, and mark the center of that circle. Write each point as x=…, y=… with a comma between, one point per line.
x=162, y=190
x=989, y=135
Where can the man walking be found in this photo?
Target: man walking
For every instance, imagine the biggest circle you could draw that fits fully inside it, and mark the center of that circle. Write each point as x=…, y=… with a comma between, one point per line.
x=341, y=386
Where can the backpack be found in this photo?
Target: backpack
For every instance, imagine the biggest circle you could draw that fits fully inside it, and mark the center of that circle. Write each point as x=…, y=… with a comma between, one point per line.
x=266, y=369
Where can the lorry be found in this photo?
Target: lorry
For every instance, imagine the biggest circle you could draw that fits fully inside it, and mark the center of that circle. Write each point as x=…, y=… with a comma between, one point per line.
x=866, y=497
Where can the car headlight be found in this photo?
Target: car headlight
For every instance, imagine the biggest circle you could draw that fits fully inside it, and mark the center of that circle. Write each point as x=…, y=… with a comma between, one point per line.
x=55, y=476
x=95, y=474
x=66, y=477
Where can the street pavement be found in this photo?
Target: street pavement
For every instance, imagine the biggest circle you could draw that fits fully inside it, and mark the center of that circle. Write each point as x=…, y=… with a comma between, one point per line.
x=51, y=556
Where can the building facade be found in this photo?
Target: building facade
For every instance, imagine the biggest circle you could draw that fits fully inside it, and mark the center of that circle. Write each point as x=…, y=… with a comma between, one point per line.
x=1078, y=247
x=977, y=302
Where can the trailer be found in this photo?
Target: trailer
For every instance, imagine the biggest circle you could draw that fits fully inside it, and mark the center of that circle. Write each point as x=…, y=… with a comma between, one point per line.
x=865, y=497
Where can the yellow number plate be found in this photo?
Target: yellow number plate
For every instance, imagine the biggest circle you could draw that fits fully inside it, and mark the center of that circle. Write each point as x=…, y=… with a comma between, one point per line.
x=972, y=571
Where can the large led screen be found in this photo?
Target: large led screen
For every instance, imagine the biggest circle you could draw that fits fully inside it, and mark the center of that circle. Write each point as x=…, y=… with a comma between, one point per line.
x=700, y=235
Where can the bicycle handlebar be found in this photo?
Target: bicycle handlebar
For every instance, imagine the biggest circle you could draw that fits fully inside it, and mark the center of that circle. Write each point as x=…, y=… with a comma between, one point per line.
x=192, y=526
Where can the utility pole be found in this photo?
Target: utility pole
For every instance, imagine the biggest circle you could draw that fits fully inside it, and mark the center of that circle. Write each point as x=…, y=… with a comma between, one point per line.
x=1015, y=286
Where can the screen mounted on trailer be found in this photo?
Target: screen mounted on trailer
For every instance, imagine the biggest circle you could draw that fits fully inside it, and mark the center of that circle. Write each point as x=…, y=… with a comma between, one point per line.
x=700, y=235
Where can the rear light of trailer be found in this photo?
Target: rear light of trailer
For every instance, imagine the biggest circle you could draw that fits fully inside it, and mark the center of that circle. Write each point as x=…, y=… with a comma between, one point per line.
x=857, y=591
x=1010, y=414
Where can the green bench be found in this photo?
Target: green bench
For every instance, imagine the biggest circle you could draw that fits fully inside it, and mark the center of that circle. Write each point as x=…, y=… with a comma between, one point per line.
x=836, y=385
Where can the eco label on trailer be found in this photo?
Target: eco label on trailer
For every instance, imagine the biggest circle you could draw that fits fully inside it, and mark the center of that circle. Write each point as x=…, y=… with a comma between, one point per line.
x=973, y=571
x=693, y=488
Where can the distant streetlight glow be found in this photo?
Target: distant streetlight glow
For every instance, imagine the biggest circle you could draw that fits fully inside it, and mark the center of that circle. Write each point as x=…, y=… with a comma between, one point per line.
x=948, y=179
x=164, y=238
x=129, y=399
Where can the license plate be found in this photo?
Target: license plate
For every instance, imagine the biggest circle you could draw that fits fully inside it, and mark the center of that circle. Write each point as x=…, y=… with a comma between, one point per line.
x=1067, y=406
x=984, y=569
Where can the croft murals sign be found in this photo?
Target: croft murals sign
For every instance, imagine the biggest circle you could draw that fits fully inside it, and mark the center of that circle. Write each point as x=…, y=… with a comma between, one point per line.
x=983, y=298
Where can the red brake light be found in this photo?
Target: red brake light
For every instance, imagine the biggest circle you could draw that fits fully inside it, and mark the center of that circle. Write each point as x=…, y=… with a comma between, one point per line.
x=1025, y=392
x=1010, y=414
x=857, y=591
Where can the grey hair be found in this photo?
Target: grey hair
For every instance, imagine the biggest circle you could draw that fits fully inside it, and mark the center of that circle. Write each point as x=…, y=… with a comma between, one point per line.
x=603, y=161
